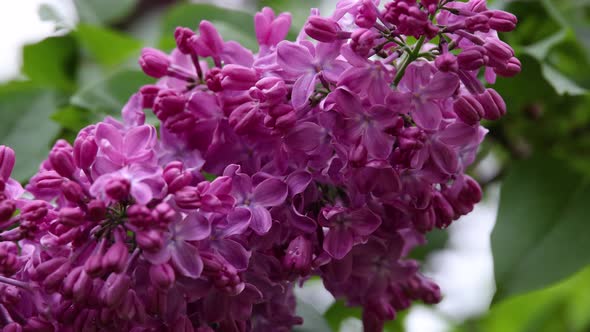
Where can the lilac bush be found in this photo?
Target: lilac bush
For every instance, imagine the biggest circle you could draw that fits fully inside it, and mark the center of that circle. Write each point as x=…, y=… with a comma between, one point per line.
x=329, y=156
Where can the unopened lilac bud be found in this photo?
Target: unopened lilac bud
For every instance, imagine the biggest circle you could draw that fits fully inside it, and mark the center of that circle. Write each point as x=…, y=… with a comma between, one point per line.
x=444, y=211
x=181, y=35
x=478, y=22
x=213, y=79
x=72, y=191
x=148, y=95
x=176, y=177
x=115, y=288
x=363, y=40
x=358, y=156
x=7, y=160
x=154, y=62
x=93, y=266
x=7, y=209
x=367, y=15
x=493, y=105
x=498, y=52
x=511, y=68
x=149, y=240
x=188, y=198
x=180, y=123
x=55, y=278
x=71, y=216
x=322, y=29
x=34, y=210
x=299, y=255
x=381, y=308
x=270, y=89
x=162, y=276
x=472, y=58
x=118, y=189
x=425, y=220
x=85, y=149
x=168, y=103
x=183, y=324
x=115, y=258
x=236, y=77
x=502, y=21
x=82, y=287
x=70, y=281
x=62, y=161
x=140, y=216
x=42, y=270
x=13, y=327
x=164, y=214
x=96, y=210
x=447, y=62
x=38, y=324
x=468, y=109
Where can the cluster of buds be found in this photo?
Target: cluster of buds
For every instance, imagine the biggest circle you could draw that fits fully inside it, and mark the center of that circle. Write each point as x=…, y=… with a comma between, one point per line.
x=331, y=156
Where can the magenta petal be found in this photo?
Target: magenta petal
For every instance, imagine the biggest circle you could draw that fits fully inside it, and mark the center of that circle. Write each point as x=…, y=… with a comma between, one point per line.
x=109, y=133
x=427, y=115
x=302, y=89
x=378, y=143
x=298, y=182
x=186, y=259
x=442, y=85
x=238, y=220
x=261, y=220
x=294, y=58
x=234, y=253
x=444, y=157
x=132, y=112
x=347, y=103
x=364, y=222
x=139, y=138
x=305, y=137
x=270, y=192
x=141, y=192
x=458, y=134
x=159, y=257
x=194, y=227
x=338, y=242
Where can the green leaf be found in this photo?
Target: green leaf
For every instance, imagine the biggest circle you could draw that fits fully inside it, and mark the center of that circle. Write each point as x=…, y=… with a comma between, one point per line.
x=339, y=312
x=104, y=11
x=107, y=46
x=561, y=83
x=562, y=307
x=231, y=24
x=110, y=94
x=75, y=118
x=435, y=240
x=25, y=125
x=312, y=319
x=51, y=62
x=542, y=226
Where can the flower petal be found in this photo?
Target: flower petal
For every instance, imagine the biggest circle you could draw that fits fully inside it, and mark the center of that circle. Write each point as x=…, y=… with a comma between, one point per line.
x=338, y=242
x=270, y=192
x=427, y=115
x=261, y=220
x=234, y=253
x=193, y=227
x=186, y=259
x=238, y=221
x=294, y=58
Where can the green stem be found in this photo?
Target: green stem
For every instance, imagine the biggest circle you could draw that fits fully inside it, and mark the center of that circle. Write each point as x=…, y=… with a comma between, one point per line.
x=411, y=57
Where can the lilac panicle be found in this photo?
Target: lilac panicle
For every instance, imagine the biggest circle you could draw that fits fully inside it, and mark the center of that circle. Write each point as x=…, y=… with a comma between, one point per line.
x=332, y=156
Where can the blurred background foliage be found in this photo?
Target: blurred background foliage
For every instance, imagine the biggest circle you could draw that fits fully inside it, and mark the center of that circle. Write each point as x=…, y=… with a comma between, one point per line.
x=540, y=243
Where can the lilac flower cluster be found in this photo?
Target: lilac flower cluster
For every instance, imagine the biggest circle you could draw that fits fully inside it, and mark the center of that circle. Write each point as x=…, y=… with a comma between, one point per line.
x=330, y=156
